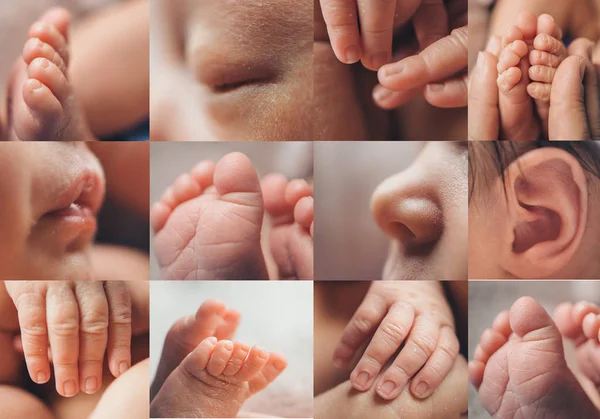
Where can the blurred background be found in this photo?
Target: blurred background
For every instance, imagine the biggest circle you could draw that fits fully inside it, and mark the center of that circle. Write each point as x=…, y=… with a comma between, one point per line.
x=488, y=298
x=277, y=315
x=348, y=243
x=168, y=160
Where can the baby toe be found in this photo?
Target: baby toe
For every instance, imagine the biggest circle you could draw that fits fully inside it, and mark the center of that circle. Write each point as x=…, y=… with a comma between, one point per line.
x=36, y=48
x=235, y=363
x=539, y=91
x=541, y=73
x=549, y=44
x=512, y=55
x=257, y=358
x=272, y=369
x=509, y=79
x=184, y=189
x=296, y=190
x=544, y=58
x=44, y=106
x=219, y=358
x=304, y=211
x=50, y=75
x=513, y=34
x=48, y=33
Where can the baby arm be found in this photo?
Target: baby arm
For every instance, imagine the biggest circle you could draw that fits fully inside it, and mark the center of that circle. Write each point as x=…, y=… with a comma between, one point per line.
x=413, y=316
x=79, y=322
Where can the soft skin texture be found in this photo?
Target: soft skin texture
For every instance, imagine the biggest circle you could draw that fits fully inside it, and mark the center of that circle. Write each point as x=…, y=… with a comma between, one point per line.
x=580, y=323
x=411, y=317
x=35, y=175
x=574, y=101
x=42, y=102
x=335, y=397
x=540, y=223
x=198, y=357
x=208, y=224
x=510, y=385
x=424, y=211
x=231, y=82
x=79, y=321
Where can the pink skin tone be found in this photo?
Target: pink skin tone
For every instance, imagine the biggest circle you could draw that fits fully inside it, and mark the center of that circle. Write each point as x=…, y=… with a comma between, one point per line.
x=227, y=203
x=532, y=51
x=43, y=104
x=80, y=322
x=580, y=323
x=412, y=314
x=37, y=177
x=290, y=205
x=508, y=381
x=199, y=358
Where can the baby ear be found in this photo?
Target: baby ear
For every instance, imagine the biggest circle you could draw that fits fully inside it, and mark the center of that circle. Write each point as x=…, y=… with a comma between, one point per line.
x=547, y=200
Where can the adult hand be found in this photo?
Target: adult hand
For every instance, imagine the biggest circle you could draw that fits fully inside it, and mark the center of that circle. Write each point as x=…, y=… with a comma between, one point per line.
x=574, y=98
x=371, y=42
x=484, y=116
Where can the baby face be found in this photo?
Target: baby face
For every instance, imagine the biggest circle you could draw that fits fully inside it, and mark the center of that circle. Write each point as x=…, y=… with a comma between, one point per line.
x=50, y=193
x=424, y=209
x=231, y=70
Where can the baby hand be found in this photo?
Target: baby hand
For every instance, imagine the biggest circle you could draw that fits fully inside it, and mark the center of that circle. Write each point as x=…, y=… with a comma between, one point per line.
x=371, y=42
x=77, y=321
x=413, y=314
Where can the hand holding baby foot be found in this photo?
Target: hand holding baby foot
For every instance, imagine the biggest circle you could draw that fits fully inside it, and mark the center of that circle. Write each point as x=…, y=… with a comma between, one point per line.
x=412, y=317
x=79, y=322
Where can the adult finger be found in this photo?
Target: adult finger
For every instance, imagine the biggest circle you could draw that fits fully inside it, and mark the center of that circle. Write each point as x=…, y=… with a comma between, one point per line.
x=567, y=115
x=341, y=18
x=376, y=31
x=439, y=61
x=430, y=22
x=585, y=48
x=484, y=117
x=119, y=327
x=93, y=337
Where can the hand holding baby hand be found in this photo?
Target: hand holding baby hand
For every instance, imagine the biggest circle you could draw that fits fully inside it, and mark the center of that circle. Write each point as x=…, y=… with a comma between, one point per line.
x=411, y=317
x=78, y=321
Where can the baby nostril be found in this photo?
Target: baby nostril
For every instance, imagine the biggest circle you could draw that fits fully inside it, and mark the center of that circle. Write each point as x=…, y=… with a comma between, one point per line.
x=402, y=232
x=415, y=221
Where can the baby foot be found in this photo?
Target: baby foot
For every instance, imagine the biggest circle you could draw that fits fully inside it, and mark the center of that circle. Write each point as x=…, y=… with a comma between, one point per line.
x=211, y=319
x=520, y=370
x=547, y=54
x=42, y=106
x=516, y=107
x=215, y=380
x=291, y=207
x=581, y=323
x=208, y=223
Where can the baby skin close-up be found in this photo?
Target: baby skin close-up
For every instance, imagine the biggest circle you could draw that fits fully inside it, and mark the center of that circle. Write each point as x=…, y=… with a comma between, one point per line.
x=208, y=224
x=410, y=317
x=519, y=366
x=531, y=52
x=69, y=332
x=203, y=374
x=41, y=103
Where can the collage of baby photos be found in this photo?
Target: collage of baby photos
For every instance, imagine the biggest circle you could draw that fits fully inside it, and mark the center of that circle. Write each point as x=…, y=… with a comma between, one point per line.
x=312, y=209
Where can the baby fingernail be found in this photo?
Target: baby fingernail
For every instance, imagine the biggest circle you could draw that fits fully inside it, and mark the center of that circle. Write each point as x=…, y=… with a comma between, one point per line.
x=69, y=388
x=352, y=54
x=387, y=388
x=393, y=69
x=123, y=366
x=421, y=389
x=90, y=384
x=381, y=94
x=362, y=379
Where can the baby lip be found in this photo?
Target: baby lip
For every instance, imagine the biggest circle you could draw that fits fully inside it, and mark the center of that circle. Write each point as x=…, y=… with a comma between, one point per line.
x=85, y=193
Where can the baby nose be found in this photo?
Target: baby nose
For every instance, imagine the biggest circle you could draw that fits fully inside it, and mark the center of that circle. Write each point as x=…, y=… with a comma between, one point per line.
x=407, y=208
